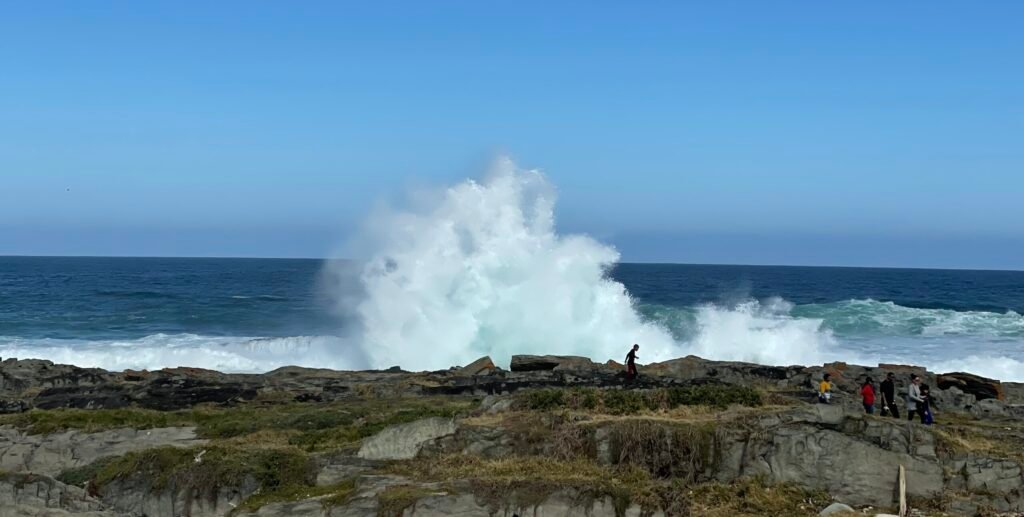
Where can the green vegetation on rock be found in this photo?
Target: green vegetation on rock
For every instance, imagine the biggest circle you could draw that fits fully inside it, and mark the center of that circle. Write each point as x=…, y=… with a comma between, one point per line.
x=39, y=421
x=311, y=426
x=622, y=402
x=204, y=469
x=394, y=500
x=331, y=495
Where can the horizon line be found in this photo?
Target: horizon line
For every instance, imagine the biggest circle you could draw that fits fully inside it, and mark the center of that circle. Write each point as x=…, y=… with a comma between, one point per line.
x=639, y=262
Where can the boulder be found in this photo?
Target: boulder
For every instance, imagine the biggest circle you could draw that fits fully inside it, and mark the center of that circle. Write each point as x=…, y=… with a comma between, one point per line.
x=404, y=441
x=481, y=366
x=989, y=408
x=836, y=509
x=980, y=387
x=534, y=363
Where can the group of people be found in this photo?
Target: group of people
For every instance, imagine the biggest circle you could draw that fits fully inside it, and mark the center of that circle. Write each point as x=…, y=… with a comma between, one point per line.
x=918, y=398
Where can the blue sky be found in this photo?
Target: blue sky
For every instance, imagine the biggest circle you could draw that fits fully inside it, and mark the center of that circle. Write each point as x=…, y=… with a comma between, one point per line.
x=726, y=132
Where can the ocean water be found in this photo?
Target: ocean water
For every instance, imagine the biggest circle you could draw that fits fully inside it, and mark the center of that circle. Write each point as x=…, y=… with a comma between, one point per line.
x=257, y=314
x=479, y=268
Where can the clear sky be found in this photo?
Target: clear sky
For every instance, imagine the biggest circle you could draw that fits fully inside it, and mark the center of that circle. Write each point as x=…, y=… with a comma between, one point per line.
x=797, y=132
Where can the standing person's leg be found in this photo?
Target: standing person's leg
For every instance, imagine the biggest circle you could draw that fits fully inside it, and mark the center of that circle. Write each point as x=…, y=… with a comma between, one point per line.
x=869, y=408
x=893, y=410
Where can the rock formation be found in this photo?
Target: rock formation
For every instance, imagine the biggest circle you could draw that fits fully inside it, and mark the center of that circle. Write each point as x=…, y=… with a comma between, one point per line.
x=554, y=435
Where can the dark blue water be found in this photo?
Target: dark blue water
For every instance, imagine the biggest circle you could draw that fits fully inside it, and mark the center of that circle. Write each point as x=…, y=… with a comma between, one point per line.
x=125, y=311
x=683, y=285
x=106, y=298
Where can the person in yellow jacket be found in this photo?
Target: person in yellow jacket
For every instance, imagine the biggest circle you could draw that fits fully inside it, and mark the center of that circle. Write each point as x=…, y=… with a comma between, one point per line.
x=825, y=389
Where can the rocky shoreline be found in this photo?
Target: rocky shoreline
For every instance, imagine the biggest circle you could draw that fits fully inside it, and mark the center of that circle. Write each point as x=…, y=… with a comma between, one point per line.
x=550, y=435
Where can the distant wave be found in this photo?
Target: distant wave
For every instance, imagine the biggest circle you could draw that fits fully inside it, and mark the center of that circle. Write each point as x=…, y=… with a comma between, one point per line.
x=226, y=354
x=870, y=316
x=134, y=294
x=775, y=331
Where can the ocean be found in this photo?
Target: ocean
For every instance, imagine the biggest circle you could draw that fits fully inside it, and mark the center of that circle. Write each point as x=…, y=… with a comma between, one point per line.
x=259, y=314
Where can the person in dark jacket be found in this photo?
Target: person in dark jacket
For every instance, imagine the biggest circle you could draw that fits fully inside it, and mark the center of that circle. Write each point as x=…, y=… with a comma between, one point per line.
x=889, y=396
x=926, y=406
x=631, y=362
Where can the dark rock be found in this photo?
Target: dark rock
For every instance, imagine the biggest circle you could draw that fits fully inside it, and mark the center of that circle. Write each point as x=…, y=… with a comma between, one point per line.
x=533, y=363
x=84, y=397
x=13, y=406
x=171, y=393
x=309, y=397
x=976, y=385
x=536, y=363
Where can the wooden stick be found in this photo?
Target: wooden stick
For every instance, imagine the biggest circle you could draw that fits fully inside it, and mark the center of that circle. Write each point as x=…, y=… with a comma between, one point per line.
x=903, y=491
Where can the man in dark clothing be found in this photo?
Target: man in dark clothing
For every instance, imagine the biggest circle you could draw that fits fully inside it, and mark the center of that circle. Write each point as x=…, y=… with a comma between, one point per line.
x=631, y=363
x=889, y=396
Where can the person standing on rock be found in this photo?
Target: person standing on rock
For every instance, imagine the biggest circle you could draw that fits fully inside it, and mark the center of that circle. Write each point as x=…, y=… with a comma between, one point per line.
x=631, y=373
x=889, y=396
x=825, y=389
x=867, y=393
x=914, y=400
x=926, y=406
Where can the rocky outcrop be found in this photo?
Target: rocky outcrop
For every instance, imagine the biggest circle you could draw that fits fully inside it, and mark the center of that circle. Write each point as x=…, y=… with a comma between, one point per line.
x=136, y=496
x=35, y=495
x=30, y=383
x=438, y=501
x=835, y=448
x=564, y=503
x=976, y=385
x=53, y=453
x=824, y=447
x=403, y=442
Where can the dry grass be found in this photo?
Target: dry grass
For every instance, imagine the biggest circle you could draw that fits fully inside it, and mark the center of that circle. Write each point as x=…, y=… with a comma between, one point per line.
x=528, y=480
x=755, y=497
x=680, y=451
x=525, y=481
x=959, y=434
